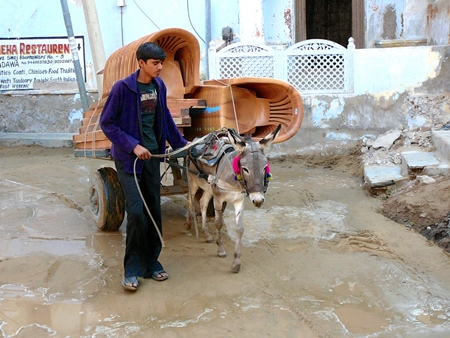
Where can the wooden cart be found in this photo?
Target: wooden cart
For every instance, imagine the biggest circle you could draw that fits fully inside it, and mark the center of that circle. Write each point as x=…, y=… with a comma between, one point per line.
x=250, y=105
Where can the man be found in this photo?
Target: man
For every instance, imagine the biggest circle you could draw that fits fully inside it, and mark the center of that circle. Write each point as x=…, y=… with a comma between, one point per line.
x=136, y=120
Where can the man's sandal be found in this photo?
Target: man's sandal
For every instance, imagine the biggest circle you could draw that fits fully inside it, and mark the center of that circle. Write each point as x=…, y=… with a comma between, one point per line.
x=130, y=283
x=159, y=275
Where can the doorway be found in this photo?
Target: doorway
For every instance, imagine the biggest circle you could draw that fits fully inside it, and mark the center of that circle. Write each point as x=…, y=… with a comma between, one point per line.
x=334, y=20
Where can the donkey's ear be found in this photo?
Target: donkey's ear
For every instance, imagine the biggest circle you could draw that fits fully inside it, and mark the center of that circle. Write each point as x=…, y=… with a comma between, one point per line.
x=237, y=141
x=267, y=141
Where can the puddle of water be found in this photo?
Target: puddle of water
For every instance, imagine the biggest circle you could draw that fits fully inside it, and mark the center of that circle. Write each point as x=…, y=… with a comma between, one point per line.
x=361, y=319
x=32, y=330
x=433, y=318
x=10, y=214
x=27, y=222
x=323, y=221
x=183, y=323
x=21, y=246
x=43, y=320
x=358, y=310
x=388, y=300
x=19, y=195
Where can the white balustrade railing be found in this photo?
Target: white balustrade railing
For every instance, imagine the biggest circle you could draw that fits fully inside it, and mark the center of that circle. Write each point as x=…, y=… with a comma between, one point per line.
x=311, y=66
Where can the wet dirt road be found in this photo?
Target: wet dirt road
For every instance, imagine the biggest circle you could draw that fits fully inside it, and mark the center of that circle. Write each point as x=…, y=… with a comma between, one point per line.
x=319, y=260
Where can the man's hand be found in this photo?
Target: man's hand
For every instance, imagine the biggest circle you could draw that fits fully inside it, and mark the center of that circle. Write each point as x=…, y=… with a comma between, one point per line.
x=142, y=153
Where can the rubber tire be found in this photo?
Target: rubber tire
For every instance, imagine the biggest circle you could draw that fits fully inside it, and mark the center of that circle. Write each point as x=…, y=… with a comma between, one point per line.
x=107, y=199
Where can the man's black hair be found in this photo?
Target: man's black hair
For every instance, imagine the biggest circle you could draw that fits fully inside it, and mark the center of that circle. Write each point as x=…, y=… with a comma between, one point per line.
x=150, y=50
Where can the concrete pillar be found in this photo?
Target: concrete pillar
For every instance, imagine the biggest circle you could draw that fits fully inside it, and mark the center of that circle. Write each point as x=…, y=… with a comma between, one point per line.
x=251, y=21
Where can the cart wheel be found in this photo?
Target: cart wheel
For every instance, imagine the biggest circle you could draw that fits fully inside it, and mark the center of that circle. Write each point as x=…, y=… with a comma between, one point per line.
x=107, y=199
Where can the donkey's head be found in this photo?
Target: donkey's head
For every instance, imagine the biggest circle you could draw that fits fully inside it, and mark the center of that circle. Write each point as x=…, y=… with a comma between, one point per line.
x=251, y=166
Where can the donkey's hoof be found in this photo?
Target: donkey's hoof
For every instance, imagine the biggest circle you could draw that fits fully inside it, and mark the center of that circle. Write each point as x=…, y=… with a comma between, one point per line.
x=236, y=267
x=187, y=225
x=208, y=239
x=221, y=253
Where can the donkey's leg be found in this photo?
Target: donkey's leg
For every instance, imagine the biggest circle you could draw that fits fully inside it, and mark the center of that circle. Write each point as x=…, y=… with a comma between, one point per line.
x=204, y=202
x=239, y=210
x=193, y=187
x=219, y=224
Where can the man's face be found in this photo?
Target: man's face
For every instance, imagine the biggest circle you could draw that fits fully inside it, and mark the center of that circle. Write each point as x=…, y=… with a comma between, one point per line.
x=152, y=67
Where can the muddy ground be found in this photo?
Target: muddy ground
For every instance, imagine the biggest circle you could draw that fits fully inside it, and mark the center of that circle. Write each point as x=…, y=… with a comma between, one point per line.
x=323, y=258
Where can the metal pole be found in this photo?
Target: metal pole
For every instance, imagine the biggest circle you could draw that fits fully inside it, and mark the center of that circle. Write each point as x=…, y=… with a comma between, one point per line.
x=75, y=58
x=207, y=33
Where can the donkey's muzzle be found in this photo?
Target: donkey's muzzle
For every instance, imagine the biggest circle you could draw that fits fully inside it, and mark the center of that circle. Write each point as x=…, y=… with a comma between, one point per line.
x=257, y=199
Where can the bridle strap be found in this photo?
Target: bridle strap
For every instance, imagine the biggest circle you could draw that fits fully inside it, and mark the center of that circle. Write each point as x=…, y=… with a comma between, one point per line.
x=255, y=153
x=257, y=171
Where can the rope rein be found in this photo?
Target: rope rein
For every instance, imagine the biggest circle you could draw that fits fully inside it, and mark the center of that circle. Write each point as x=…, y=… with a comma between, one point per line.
x=168, y=154
x=195, y=142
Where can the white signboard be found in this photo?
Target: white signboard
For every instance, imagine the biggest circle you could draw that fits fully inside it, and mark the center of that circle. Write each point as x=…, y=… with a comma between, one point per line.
x=27, y=61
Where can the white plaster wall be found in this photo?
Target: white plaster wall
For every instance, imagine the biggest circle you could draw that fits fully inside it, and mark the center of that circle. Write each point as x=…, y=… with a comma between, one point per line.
x=439, y=23
x=415, y=17
x=389, y=71
x=122, y=25
x=382, y=76
x=411, y=19
x=251, y=20
x=31, y=18
x=223, y=14
x=279, y=22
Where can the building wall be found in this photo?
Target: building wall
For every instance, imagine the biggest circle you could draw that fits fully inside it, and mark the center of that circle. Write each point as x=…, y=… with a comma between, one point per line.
x=389, y=94
x=385, y=79
x=395, y=20
x=408, y=20
x=385, y=20
x=279, y=22
x=438, y=23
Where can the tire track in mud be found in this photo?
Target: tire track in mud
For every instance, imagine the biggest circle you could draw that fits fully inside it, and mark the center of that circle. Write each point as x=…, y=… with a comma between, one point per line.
x=52, y=270
x=364, y=241
x=260, y=272
x=272, y=286
x=65, y=200
x=68, y=202
x=368, y=242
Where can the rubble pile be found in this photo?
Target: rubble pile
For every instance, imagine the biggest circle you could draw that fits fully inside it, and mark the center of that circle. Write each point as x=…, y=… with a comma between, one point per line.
x=385, y=150
x=431, y=112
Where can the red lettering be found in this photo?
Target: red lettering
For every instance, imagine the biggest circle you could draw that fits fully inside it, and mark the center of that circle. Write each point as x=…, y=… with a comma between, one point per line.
x=53, y=48
x=8, y=49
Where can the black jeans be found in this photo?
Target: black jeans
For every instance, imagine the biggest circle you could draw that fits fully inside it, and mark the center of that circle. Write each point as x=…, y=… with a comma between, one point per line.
x=143, y=245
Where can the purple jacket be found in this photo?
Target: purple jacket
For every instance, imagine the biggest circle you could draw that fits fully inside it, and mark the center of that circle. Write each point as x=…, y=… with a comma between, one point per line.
x=120, y=120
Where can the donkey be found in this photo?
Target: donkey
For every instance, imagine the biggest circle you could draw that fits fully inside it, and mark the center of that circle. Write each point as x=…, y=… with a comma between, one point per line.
x=238, y=168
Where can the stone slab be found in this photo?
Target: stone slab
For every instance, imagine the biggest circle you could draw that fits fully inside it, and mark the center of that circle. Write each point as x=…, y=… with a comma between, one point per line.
x=442, y=169
x=381, y=176
x=48, y=140
x=441, y=140
x=419, y=159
